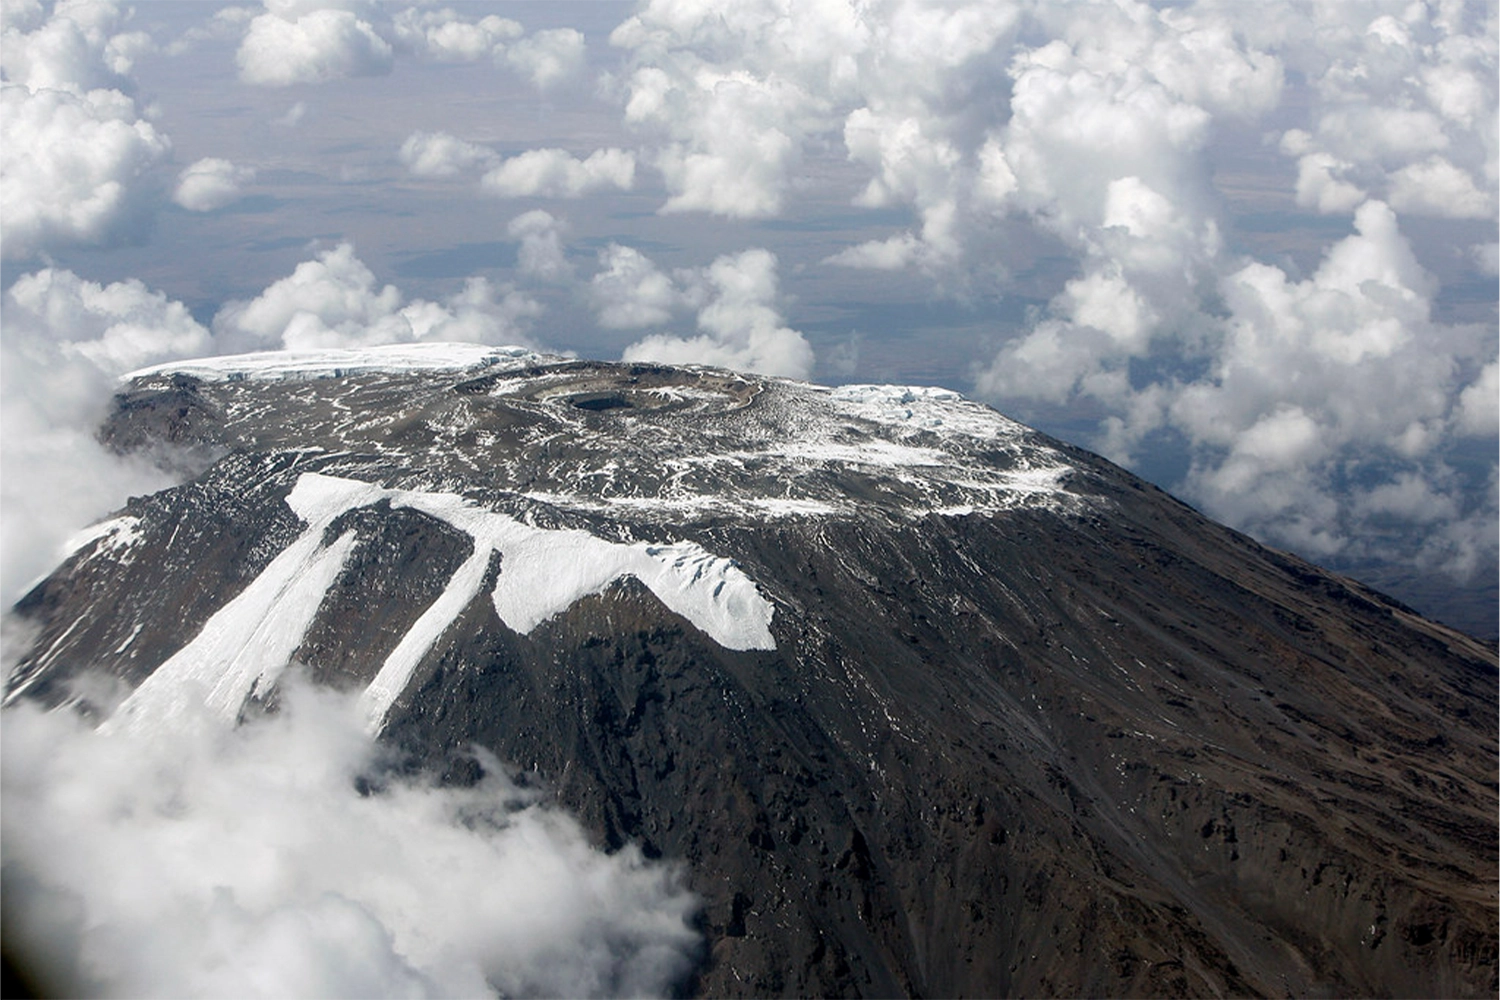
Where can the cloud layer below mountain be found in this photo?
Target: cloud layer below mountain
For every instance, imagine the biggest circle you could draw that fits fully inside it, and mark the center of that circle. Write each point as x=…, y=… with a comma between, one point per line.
x=280, y=858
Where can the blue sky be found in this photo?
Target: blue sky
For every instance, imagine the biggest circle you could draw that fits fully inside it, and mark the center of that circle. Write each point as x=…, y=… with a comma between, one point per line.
x=1246, y=249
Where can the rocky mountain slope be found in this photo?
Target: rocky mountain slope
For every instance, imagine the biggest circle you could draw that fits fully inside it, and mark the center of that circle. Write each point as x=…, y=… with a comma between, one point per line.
x=927, y=702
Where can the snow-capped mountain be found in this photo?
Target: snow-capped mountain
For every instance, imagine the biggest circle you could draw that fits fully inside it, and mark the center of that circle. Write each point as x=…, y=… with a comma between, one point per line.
x=927, y=702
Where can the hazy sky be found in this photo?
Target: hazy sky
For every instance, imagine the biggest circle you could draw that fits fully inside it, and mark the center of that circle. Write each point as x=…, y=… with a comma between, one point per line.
x=1247, y=249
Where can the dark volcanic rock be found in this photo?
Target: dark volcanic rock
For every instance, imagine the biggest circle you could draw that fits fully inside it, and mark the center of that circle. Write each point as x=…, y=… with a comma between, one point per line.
x=1024, y=724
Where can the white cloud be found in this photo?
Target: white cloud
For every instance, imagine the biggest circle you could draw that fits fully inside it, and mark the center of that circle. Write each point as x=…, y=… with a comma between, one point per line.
x=445, y=36
x=629, y=292
x=335, y=301
x=1486, y=258
x=315, y=41
x=548, y=57
x=541, y=255
x=1437, y=187
x=75, y=167
x=1294, y=399
x=211, y=183
x=117, y=327
x=890, y=254
x=553, y=173
x=66, y=341
x=544, y=173
x=741, y=326
x=732, y=130
x=305, y=43
x=438, y=154
x=1404, y=103
x=247, y=862
x=1314, y=402
x=1479, y=404
x=74, y=47
x=1354, y=356
x=1320, y=185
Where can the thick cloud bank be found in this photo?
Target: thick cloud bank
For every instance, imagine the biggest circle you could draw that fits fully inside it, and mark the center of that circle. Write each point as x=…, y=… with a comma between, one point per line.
x=273, y=860
x=65, y=342
x=75, y=166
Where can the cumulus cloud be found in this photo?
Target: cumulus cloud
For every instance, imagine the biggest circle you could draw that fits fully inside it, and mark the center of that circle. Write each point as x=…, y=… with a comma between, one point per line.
x=1437, y=187
x=301, y=42
x=1403, y=104
x=541, y=255
x=554, y=173
x=536, y=173
x=731, y=125
x=211, y=183
x=548, y=57
x=1487, y=257
x=438, y=154
x=1321, y=185
x=630, y=292
x=891, y=254
x=254, y=862
x=74, y=169
x=336, y=301
x=66, y=341
x=1479, y=404
x=738, y=316
x=76, y=164
x=445, y=36
x=1094, y=127
x=1320, y=402
x=735, y=100
x=315, y=41
x=76, y=47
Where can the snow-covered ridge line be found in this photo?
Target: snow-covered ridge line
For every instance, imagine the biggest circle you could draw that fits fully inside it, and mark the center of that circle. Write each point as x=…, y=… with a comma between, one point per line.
x=247, y=643
x=274, y=366
x=923, y=408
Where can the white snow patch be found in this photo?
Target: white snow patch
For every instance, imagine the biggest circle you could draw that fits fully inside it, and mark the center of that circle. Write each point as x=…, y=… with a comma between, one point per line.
x=688, y=505
x=248, y=642
x=275, y=366
x=245, y=645
x=791, y=507
x=543, y=573
x=875, y=452
x=118, y=532
x=424, y=633
x=922, y=407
